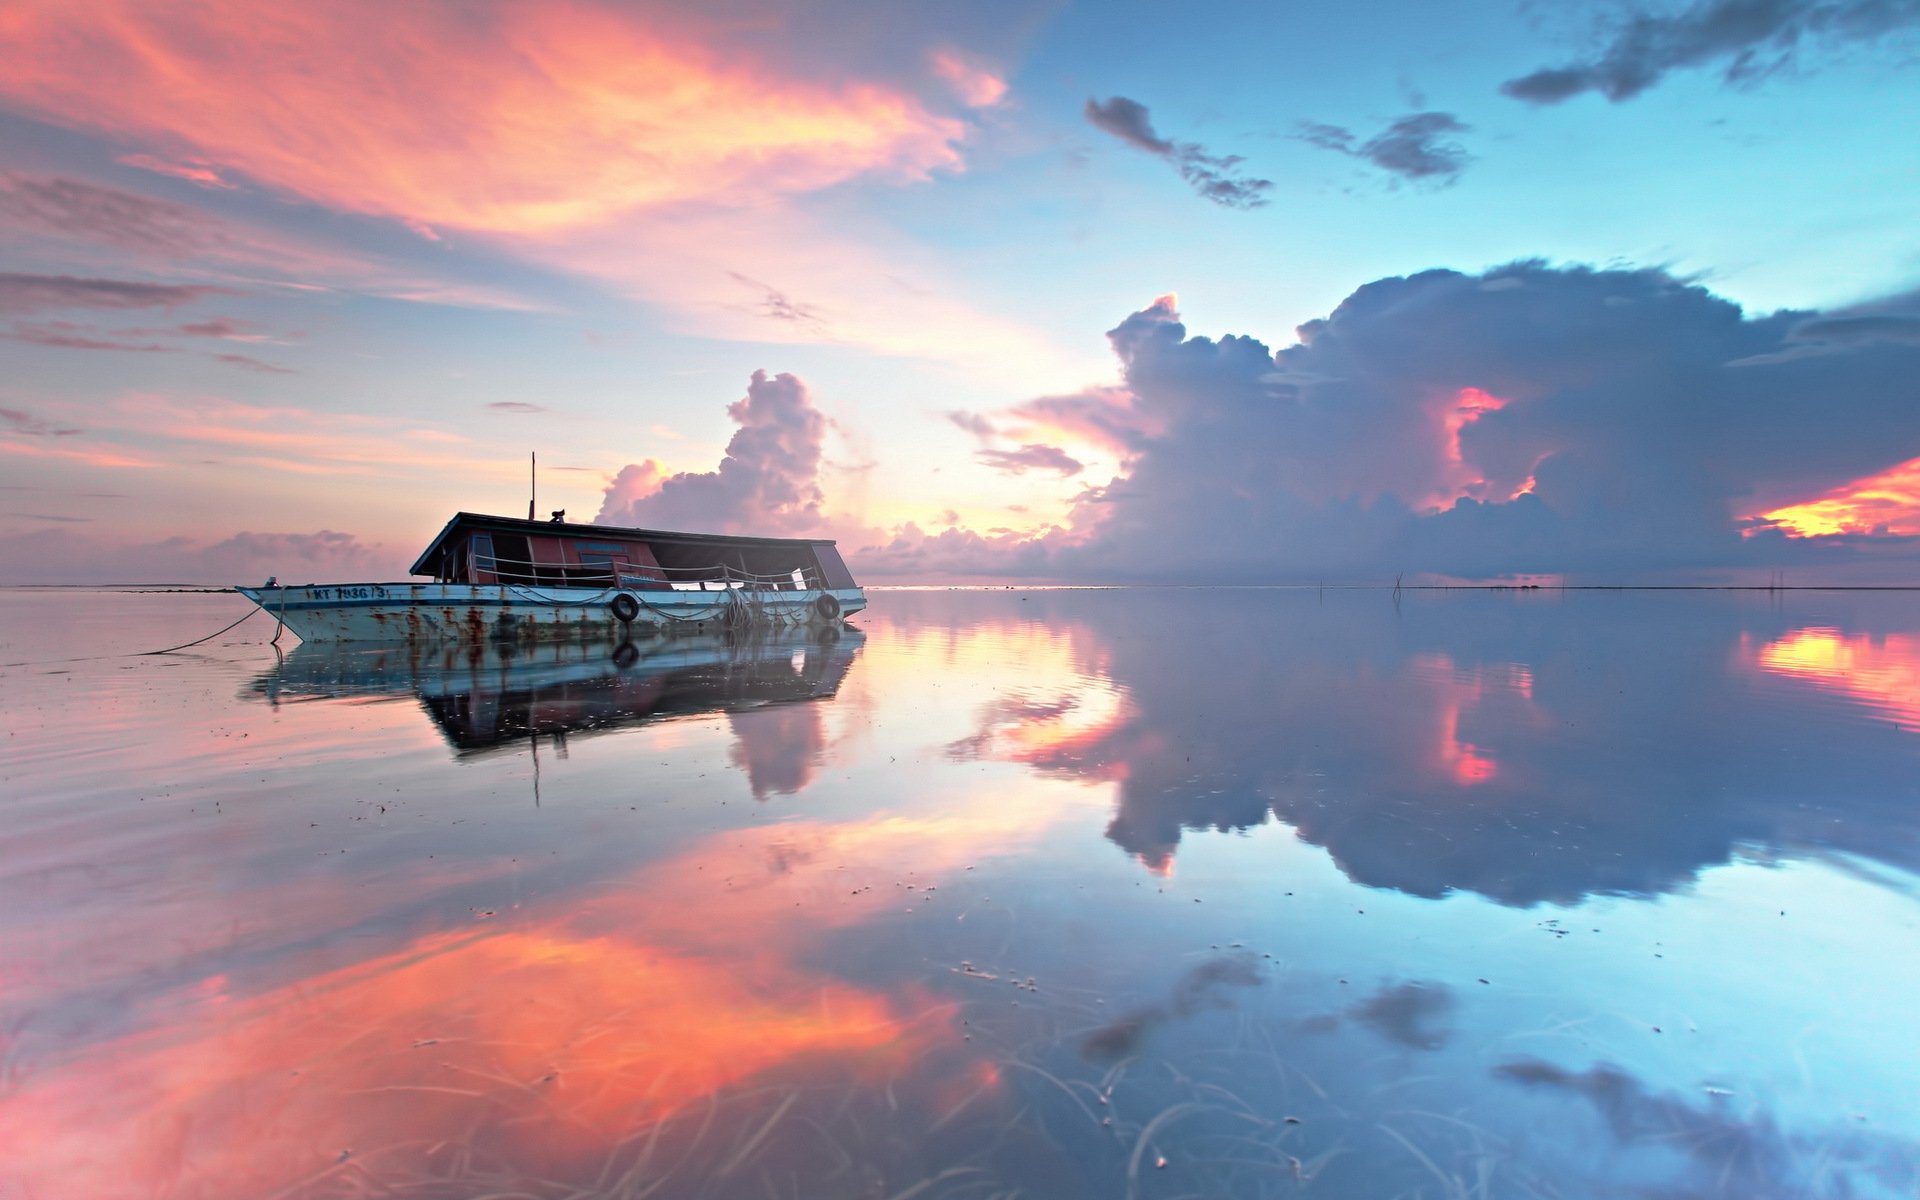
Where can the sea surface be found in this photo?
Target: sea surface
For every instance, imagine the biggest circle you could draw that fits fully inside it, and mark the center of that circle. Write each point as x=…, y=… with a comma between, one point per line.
x=1144, y=893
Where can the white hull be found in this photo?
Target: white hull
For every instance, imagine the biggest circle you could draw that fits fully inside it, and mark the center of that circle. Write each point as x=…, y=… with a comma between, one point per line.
x=476, y=613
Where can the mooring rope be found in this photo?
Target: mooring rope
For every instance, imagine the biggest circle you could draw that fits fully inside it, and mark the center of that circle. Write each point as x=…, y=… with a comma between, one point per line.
x=183, y=645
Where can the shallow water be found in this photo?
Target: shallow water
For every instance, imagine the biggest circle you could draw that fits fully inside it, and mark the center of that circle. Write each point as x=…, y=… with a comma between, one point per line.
x=1044, y=893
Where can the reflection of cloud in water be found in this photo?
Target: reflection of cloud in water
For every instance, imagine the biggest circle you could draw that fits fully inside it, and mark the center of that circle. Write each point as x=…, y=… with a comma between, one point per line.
x=1415, y=1015
x=1730, y=1153
x=779, y=748
x=1412, y=1014
x=1203, y=987
x=1881, y=672
x=1528, y=750
x=541, y=1042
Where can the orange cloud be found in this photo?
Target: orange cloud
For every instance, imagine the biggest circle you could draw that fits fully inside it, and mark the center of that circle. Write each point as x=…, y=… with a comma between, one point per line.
x=1888, y=502
x=530, y=118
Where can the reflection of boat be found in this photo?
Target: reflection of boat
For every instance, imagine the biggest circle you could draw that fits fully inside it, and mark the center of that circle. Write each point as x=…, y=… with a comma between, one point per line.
x=508, y=580
x=487, y=695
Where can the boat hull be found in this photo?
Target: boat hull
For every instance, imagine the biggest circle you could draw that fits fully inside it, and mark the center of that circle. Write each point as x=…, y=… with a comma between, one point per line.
x=480, y=613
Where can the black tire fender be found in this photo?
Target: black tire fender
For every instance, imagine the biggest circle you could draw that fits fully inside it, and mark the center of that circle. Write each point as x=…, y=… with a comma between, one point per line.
x=827, y=607
x=624, y=608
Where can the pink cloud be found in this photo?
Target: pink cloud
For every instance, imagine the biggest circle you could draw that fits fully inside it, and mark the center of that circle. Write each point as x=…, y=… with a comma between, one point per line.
x=768, y=482
x=977, y=86
x=523, y=118
x=657, y=152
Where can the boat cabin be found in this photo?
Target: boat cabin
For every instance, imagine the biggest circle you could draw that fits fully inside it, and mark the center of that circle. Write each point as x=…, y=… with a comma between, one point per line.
x=498, y=550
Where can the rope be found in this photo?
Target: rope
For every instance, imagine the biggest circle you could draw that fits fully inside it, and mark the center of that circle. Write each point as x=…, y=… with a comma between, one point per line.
x=183, y=645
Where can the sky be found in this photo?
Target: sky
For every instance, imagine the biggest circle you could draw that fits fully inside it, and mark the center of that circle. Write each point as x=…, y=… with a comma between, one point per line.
x=1599, y=292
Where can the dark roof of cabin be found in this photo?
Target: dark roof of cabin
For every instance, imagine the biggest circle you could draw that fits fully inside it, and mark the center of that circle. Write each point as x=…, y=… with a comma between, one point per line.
x=466, y=522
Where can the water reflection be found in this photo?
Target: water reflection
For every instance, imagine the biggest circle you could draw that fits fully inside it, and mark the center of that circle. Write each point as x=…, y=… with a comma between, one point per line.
x=1483, y=896
x=1880, y=671
x=483, y=699
x=1521, y=754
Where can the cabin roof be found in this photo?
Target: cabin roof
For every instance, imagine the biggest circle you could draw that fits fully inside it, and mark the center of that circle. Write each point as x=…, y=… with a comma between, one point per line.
x=466, y=522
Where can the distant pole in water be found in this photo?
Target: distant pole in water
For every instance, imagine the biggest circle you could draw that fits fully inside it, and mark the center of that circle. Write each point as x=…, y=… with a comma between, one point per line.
x=533, y=484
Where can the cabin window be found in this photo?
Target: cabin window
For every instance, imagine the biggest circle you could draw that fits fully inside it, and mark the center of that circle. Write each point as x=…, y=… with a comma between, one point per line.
x=513, y=558
x=598, y=568
x=481, y=549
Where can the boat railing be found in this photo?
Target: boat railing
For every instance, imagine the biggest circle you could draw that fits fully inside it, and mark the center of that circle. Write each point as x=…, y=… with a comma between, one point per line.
x=713, y=577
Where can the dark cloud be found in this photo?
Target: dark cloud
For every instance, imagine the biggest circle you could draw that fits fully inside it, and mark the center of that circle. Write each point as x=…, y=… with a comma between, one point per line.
x=1031, y=457
x=17, y=421
x=1895, y=319
x=1889, y=328
x=1614, y=425
x=251, y=363
x=1418, y=146
x=1744, y=39
x=1128, y=120
x=1215, y=177
x=52, y=517
x=69, y=335
x=219, y=327
x=521, y=406
x=96, y=214
x=777, y=304
x=37, y=293
x=768, y=482
x=974, y=424
x=66, y=335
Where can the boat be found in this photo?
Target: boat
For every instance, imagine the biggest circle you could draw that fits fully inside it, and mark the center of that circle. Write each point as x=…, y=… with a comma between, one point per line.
x=506, y=580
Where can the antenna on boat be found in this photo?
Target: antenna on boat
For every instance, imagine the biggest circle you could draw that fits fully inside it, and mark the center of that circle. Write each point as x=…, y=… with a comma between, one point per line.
x=533, y=483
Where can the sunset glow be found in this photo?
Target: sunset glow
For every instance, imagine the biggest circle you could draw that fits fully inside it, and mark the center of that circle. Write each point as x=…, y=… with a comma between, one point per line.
x=1887, y=503
x=1457, y=413
x=541, y=118
x=1880, y=672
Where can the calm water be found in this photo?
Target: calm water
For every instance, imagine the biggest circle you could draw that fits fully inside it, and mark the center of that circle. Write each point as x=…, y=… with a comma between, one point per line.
x=1044, y=894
